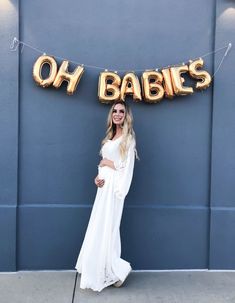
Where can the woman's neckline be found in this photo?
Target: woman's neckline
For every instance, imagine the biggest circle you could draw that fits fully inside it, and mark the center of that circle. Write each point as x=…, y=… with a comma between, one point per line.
x=115, y=139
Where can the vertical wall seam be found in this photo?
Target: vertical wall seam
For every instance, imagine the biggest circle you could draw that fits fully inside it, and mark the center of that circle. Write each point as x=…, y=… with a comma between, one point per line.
x=18, y=148
x=211, y=136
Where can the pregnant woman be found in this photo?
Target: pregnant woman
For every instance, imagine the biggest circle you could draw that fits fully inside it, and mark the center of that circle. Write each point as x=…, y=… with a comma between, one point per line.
x=99, y=261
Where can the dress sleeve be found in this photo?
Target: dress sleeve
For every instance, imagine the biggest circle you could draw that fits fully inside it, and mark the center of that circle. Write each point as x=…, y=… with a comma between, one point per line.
x=124, y=173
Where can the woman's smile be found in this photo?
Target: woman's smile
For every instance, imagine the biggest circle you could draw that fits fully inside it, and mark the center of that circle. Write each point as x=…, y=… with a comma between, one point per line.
x=118, y=114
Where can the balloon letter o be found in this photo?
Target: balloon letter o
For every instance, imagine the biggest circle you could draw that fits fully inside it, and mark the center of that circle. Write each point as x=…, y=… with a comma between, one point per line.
x=37, y=70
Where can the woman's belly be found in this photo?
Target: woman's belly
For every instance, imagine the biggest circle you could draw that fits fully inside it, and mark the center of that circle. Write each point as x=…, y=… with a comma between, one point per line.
x=105, y=172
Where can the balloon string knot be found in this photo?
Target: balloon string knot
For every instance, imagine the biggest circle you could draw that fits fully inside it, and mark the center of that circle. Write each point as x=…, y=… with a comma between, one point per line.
x=228, y=49
x=14, y=44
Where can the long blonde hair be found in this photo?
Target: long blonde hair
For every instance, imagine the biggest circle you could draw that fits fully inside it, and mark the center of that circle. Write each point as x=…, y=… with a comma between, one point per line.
x=128, y=133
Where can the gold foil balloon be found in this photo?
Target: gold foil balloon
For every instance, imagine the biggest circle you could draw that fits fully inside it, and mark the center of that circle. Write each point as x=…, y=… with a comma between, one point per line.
x=130, y=86
x=177, y=80
x=167, y=83
x=37, y=70
x=72, y=78
x=202, y=75
x=152, y=86
x=108, y=88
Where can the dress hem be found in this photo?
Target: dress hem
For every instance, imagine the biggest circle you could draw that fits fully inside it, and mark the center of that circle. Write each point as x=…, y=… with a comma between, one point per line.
x=105, y=285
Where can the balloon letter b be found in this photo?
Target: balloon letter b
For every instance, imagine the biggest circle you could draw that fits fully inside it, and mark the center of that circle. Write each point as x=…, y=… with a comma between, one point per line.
x=108, y=89
x=152, y=86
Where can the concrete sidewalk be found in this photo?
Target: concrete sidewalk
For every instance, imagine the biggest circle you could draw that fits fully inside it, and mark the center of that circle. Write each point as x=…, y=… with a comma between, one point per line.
x=141, y=287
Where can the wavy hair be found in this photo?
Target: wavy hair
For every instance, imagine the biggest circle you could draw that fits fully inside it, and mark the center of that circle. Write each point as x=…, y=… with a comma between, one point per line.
x=128, y=133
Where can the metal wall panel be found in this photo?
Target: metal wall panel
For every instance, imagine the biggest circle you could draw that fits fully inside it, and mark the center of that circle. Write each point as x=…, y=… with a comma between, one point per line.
x=222, y=247
x=8, y=134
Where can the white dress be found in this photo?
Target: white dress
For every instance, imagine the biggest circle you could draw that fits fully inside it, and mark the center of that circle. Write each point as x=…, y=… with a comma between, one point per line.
x=99, y=260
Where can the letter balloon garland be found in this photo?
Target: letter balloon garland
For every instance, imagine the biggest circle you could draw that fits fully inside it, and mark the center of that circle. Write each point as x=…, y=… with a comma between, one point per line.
x=153, y=87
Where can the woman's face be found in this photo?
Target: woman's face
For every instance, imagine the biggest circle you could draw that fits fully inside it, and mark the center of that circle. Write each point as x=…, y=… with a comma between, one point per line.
x=118, y=114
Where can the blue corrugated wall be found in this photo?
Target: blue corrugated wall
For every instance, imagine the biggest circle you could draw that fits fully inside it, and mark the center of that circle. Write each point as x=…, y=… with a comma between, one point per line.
x=180, y=211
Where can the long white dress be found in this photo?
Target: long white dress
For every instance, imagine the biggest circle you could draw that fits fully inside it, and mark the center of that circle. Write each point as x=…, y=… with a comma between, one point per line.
x=99, y=260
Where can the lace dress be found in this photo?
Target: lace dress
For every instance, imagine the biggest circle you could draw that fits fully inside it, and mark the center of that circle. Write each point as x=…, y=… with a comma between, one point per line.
x=99, y=260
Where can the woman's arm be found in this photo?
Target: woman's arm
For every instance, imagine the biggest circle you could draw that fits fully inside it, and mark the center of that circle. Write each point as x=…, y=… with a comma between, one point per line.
x=124, y=174
x=107, y=162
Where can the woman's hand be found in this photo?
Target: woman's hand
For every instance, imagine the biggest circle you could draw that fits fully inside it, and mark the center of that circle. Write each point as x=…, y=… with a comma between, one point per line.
x=99, y=182
x=106, y=162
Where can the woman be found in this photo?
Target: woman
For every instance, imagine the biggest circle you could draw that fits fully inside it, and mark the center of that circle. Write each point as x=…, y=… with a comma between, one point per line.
x=99, y=260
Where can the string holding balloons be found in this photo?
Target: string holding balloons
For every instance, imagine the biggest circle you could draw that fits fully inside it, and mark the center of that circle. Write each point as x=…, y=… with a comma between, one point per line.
x=153, y=86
